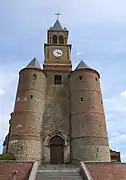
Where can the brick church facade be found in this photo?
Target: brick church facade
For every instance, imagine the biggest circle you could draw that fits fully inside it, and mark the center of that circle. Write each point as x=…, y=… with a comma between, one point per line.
x=58, y=117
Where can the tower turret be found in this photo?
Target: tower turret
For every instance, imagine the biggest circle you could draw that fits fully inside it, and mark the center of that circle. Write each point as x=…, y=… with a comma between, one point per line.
x=26, y=123
x=89, y=141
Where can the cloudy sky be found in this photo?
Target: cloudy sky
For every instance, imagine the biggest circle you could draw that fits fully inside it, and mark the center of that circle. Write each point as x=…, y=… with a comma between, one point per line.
x=98, y=34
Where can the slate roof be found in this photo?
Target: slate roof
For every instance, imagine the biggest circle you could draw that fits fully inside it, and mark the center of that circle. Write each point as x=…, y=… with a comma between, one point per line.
x=82, y=65
x=15, y=171
x=34, y=64
x=107, y=171
x=57, y=26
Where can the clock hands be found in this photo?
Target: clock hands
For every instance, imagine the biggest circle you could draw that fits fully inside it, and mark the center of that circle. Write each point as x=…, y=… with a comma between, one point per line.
x=59, y=53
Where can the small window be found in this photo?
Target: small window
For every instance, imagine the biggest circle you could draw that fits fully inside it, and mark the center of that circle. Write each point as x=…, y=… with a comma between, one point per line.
x=80, y=77
x=34, y=76
x=82, y=99
x=96, y=78
x=31, y=96
x=101, y=102
x=55, y=39
x=57, y=79
x=61, y=40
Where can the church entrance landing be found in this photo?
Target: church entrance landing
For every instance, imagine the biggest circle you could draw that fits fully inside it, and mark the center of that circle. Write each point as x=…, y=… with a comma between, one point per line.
x=56, y=150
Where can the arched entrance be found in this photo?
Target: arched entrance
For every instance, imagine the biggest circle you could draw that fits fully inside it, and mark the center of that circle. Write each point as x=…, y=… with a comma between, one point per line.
x=56, y=150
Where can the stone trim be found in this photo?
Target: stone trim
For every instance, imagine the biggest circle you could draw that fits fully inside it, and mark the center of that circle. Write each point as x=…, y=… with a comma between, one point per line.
x=87, y=140
x=85, y=171
x=34, y=171
x=81, y=137
x=89, y=90
x=25, y=137
x=74, y=114
x=32, y=68
x=31, y=89
x=86, y=69
x=55, y=133
x=58, y=67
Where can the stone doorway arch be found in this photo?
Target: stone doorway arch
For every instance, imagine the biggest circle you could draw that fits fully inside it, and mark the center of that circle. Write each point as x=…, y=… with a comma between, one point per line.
x=46, y=148
x=56, y=150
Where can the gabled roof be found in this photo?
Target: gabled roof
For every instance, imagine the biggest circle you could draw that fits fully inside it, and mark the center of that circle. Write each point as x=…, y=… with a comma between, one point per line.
x=82, y=65
x=34, y=64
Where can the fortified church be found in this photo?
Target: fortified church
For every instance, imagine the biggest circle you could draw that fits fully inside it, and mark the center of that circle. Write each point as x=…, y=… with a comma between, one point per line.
x=58, y=117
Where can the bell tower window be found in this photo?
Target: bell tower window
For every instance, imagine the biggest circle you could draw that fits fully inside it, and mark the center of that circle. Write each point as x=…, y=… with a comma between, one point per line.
x=61, y=40
x=57, y=79
x=55, y=39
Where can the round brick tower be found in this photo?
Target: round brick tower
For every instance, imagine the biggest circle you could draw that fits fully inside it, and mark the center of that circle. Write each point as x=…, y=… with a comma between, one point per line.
x=89, y=140
x=27, y=119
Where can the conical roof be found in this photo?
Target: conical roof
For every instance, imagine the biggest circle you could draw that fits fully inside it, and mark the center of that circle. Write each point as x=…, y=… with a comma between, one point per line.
x=82, y=65
x=34, y=64
x=57, y=26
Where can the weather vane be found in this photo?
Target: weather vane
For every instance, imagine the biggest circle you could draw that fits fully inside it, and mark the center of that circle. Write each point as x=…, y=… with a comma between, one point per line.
x=58, y=14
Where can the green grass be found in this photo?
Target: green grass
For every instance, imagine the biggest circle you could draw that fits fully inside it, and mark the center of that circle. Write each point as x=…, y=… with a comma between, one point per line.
x=6, y=157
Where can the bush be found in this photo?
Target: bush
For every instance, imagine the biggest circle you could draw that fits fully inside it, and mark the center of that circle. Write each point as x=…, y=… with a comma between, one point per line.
x=6, y=157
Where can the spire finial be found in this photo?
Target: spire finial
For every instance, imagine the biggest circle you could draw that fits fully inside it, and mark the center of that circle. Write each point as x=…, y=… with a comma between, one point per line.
x=58, y=14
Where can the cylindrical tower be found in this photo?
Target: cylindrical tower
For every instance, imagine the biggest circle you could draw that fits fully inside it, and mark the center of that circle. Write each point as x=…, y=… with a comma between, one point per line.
x=89, y=140
x=27, y=118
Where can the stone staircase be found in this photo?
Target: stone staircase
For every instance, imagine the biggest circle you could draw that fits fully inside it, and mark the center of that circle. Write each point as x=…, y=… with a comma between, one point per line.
x=59, y=172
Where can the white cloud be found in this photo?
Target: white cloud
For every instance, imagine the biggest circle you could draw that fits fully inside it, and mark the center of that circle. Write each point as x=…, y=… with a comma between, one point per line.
x=123, y=94
x=115, y=108
x=117, y=140
x=84, y=11
x=1, y=92
x=79, y=53
x=116, y=103
x=115, y=134
x=8, y=81
x=4, y=124
x=6, y=78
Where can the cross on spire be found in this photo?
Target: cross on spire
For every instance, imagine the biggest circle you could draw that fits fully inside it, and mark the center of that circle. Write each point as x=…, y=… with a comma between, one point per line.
x=58, y=14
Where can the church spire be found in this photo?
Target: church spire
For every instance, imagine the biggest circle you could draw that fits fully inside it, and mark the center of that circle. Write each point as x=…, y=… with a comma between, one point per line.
x=57, y=25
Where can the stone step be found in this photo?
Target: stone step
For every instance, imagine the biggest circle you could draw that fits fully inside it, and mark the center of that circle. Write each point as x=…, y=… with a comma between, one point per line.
x=58, y=169
x=49, y=176
x=58, y=172
x=59, y=178
x=52, y=166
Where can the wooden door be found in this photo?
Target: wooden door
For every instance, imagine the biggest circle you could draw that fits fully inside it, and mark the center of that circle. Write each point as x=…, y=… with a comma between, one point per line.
x=56, y=151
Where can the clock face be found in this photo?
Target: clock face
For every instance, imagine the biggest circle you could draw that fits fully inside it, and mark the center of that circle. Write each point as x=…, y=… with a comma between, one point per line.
x=57, y=52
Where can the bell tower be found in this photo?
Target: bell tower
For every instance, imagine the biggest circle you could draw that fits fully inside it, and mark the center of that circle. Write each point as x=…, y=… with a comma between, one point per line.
x=57, y=51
